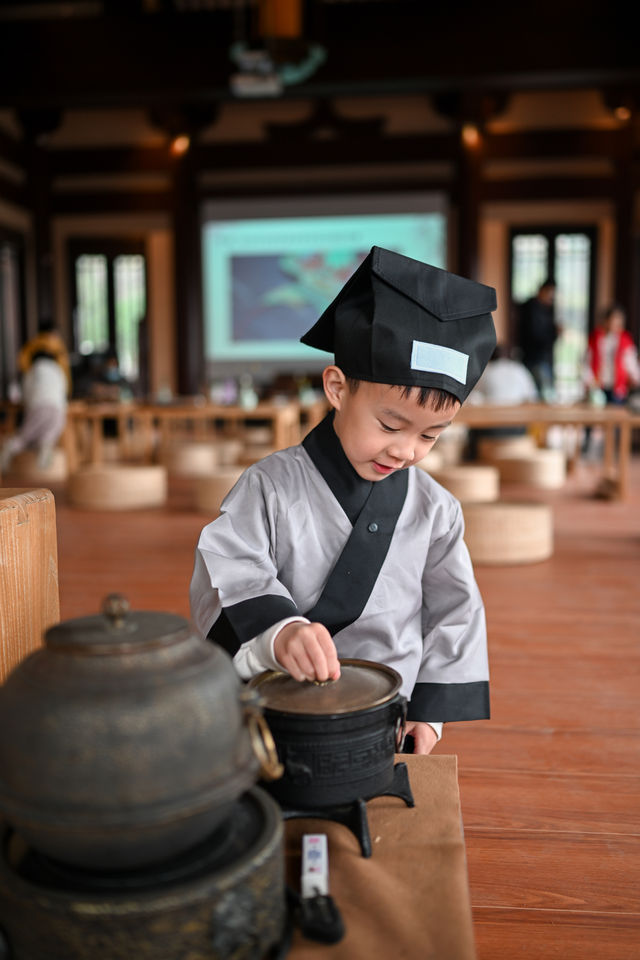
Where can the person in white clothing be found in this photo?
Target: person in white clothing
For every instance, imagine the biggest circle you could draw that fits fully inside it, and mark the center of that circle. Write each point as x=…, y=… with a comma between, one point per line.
x=44, y=396
x=505, y=382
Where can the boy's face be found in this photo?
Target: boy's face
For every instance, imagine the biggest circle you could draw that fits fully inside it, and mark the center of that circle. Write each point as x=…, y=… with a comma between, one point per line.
x=381, y=430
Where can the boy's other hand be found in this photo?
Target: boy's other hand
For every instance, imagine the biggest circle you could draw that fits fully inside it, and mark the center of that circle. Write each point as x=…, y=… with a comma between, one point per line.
x=423, y=734
x=307, y=652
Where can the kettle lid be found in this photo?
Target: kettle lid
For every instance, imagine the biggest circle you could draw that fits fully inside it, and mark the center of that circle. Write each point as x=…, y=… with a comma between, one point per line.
x=117, y=629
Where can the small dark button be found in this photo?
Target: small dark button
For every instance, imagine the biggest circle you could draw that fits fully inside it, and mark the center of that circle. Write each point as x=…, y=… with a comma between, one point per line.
x=373, y=528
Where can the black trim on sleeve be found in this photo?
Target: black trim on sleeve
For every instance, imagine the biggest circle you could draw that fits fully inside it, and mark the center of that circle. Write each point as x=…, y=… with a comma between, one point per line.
x=450, y=701
x=224, y=635
x=243, y=621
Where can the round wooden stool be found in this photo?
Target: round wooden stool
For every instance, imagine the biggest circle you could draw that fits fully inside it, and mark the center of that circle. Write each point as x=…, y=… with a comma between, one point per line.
x=506, y=533
x=433, y=461
x=229, y=451
x=541, y=468
x=451, y=443
x=489, y=448
x=258, y=435
x=24, y=469
x=253, y=452
x=192, y=459
x=118, y=487
x=209, y=492
x=470, y=483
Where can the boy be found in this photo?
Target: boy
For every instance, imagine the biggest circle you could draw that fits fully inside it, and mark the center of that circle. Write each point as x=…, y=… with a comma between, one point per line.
x=334, y=548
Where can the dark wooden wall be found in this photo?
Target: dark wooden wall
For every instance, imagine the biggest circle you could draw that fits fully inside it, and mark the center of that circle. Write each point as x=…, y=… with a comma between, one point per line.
x=464, y=61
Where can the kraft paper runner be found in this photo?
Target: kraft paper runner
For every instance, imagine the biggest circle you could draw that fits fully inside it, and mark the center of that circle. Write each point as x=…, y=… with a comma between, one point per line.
x=410, y=899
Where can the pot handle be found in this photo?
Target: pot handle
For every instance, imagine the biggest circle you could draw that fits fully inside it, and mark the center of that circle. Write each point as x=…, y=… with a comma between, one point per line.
x=401, y=723
x=262, y=742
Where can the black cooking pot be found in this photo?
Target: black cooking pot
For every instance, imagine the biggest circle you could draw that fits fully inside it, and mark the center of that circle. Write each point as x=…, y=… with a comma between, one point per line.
x=336, y=740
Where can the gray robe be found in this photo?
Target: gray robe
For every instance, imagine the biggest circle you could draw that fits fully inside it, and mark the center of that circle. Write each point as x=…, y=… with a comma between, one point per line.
x=382, y=564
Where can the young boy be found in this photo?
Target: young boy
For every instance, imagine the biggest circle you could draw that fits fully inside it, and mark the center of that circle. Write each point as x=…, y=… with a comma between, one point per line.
x=336, y=548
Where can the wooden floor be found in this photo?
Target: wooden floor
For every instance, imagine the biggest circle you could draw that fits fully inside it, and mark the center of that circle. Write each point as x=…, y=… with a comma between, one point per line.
x=550, y=786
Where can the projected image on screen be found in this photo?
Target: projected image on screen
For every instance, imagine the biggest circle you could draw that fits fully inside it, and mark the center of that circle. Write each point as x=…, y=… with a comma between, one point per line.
x=267, y=280
x=279, y=297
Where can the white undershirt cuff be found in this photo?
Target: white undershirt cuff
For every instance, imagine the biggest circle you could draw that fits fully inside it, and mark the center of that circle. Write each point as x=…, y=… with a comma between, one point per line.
x=257, y=655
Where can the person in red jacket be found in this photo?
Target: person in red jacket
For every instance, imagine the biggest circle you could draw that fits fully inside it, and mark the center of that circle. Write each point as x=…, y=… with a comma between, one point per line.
x=612, y=357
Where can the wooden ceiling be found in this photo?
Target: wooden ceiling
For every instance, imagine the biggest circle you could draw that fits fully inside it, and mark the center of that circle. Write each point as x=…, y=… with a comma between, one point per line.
x=152, y=53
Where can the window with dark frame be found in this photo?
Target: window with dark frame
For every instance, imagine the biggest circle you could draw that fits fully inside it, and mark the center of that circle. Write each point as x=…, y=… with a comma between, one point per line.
x=566, y=254
x=109, y=300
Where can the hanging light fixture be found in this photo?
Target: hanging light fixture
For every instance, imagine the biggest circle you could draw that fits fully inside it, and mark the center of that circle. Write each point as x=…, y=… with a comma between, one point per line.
x=279, y=55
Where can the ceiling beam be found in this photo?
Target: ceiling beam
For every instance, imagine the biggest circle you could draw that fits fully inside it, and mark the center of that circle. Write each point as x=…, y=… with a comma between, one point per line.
x=344, y=149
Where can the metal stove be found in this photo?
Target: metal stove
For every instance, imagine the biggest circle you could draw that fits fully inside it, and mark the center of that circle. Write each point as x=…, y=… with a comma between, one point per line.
x=354, y=814
x=221, y=900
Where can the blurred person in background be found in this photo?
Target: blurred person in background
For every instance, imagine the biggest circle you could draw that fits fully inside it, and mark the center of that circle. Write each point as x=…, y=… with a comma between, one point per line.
x=504, y=382
x=538, y=332
x=109, y=384
x=47, y=340
x=612, y=358
x=44, y=398
x=611, y=367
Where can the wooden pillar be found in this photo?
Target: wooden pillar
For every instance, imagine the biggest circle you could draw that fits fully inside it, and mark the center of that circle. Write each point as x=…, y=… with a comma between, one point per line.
x=468, y=195
x=470, y=111
x=188, y=287
x=36, y=124
x=625, y=292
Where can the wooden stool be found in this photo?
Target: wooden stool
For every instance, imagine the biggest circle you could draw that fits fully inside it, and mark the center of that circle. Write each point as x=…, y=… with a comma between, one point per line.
x=25, y=472
x=253, y=452
x=451, y=443
x=210, y=491
x=258, y=435
x=470, y=483
x=541, y=468
x=194, y=459
x=118, y=487
x=489, y=448
x=29, y=602
x=433, y=461
x=229, y=451
x=508, y=533
x=110, y=450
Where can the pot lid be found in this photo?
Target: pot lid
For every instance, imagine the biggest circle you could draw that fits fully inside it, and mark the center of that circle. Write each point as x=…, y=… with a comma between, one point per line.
x=362, y=684
x=117, y=628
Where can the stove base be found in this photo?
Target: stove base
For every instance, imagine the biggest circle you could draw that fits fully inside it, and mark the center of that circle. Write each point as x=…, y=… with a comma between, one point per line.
x=354, y=815
x=235, y=910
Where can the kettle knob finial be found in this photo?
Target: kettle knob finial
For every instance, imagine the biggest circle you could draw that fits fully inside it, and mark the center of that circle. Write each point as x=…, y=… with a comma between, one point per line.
x=115, y=608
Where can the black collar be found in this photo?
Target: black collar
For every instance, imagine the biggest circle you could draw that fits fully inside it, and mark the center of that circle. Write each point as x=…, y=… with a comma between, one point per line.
x=348, y=487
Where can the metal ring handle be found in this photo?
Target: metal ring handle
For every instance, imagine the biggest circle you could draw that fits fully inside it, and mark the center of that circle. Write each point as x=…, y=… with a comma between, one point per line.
x=263, y=745
x=401, y=725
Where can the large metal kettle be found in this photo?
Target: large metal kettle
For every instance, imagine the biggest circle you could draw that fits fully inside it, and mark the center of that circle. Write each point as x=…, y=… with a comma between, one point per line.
x=126, y=739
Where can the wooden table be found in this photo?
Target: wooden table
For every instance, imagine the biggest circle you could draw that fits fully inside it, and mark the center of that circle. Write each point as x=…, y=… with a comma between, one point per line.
x=613, y=420
x=138, y=424
x=410, y=899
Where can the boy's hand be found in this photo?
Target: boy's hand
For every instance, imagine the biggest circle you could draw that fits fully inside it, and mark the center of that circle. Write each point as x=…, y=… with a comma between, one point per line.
x=307, y=652
x=424, y=736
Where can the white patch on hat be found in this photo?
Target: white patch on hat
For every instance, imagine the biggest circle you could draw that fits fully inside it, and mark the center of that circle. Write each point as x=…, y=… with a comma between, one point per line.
x=433, y=358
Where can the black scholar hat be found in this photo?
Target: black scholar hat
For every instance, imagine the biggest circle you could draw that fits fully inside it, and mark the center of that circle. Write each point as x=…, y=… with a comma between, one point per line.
x=401, y=321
